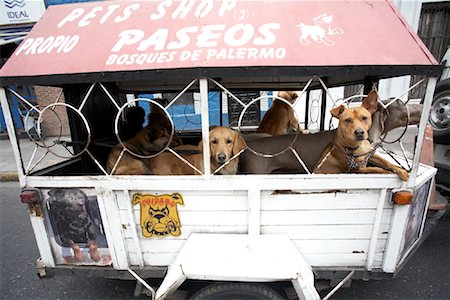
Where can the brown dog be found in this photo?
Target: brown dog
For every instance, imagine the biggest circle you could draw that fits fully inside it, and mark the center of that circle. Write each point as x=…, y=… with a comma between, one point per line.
x=280, y=118
x=224, y=144
x=395, y=115
x=306, y=145
x=149, y=140
x=350, y=150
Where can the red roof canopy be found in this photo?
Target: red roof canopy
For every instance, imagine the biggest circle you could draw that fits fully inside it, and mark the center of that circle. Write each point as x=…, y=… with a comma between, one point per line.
x=123, y=36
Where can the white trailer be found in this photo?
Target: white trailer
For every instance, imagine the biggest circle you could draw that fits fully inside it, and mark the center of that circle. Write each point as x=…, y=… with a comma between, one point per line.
x=293, y=228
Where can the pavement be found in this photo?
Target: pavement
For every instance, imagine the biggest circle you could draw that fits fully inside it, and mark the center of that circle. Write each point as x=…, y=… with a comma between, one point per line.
x=8, y=165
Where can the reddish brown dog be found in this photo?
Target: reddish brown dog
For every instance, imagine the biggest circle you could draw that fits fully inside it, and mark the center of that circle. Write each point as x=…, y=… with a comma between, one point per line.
x=350, y=150
x=280, y=118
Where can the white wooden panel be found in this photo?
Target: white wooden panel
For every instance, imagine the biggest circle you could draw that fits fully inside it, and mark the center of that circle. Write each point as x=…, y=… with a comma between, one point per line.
x=187, y=230
x=319, y=201
x=158, y=245
x=324, y=232
x=134, y=257
x=208, y=218
x=159, y=259
x=337, y=260
x=324, y=217
x=332, y=246
x=203, y=200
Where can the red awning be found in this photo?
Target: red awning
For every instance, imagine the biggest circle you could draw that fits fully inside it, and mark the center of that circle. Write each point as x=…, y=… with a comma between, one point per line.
x=121, y=36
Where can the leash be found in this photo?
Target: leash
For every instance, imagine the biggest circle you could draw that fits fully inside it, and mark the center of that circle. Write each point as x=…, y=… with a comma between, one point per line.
x=352, y=163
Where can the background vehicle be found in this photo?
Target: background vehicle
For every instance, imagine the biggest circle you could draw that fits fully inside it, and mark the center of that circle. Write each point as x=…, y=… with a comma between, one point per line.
x=440, y=120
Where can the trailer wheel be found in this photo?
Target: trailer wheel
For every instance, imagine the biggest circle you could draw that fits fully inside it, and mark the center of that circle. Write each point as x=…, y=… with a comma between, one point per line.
x=236, y=291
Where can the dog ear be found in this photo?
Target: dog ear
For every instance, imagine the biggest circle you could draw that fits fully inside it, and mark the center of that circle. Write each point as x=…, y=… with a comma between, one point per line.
x=238, y=143
x=371, y=102
x=337, y=111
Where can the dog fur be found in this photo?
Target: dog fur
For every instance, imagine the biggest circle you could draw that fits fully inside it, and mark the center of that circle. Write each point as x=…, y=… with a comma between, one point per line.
x=306, y=145
x=224, y=144
x=350, y=149
x=150, y=140
x=394, y=116
x=280, y=118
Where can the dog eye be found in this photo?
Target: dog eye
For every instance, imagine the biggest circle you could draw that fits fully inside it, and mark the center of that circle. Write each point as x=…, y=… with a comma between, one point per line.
x=214, y=141
x=229, y=141
x=348, y=120
x=364, y=118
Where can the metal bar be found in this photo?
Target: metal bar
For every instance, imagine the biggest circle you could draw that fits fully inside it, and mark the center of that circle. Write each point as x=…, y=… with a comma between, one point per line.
x=300, y=161
x=24, y=100
x=323, y=110
x=142, y=281
x=180, y=94
x=227, y=162
x=96, y=162
x=30, y=169
x=228, y=92
x=86, y=96
x=375, y=230
x=109, y=96
x=421, y=134
x=337, y=287
x=308, y=93
x=325, y=88
x=185, y=161
x=118, y=160
x=205, y=126
x=12, y=137
x=27, y=169
x=399, y=97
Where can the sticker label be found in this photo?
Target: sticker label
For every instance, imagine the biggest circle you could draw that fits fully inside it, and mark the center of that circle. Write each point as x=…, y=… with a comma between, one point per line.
x=159, y=214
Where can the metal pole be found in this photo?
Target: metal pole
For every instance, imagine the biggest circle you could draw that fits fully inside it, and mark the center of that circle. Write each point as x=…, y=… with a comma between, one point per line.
x=205, y=125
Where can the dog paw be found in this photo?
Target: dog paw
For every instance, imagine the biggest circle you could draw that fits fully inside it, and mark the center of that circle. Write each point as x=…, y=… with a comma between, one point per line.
x=77, y=254
x=403, y=175
x=93, y=251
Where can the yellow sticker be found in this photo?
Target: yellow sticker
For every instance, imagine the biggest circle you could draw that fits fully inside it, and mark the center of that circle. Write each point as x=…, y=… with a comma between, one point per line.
x=159, y=214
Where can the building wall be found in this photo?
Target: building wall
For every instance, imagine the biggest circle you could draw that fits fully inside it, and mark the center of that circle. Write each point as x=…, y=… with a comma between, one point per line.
x=54, y=122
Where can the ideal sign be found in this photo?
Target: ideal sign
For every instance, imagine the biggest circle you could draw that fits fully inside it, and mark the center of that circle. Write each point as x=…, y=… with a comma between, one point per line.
x=15, y=12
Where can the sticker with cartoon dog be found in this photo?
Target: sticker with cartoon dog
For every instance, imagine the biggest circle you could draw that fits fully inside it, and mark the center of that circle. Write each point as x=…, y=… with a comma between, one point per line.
x=159, y=214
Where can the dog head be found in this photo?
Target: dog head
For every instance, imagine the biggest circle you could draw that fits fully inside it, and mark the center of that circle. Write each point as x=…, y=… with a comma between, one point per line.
x=74, y=200
x=150, y=140
x=354, y=123
x=288, y=95
x=393, y=116
x=160, y=222
x=224, y=144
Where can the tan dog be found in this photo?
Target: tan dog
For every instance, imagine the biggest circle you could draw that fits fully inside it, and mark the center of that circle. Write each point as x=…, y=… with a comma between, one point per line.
x=280, y=118
x=149, y=140
x=224, y=144
x=350, y=150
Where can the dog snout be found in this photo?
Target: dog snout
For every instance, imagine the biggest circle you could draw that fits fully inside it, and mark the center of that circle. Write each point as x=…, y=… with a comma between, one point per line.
x=221, y=158
x=359, y=134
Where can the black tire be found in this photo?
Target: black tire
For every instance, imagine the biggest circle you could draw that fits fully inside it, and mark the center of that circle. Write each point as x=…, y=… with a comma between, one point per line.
x=236, y=291
x=440, y=113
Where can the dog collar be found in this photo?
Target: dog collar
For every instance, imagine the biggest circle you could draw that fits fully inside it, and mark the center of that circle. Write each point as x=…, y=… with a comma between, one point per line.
x=351, y=149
